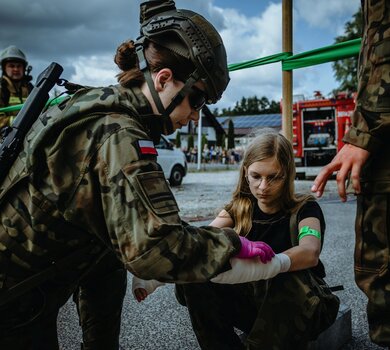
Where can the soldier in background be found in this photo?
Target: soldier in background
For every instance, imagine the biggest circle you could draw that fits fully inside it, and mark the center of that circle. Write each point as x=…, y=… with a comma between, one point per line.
x=86, y=199
x=15, y=83
x=366, y=160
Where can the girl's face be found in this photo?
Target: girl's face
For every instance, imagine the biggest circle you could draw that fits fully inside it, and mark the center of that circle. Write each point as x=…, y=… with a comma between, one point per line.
x=266, y=184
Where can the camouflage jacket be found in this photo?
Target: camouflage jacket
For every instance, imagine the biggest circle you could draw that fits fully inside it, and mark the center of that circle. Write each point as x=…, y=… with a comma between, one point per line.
x=83, y=165
x=371, y=121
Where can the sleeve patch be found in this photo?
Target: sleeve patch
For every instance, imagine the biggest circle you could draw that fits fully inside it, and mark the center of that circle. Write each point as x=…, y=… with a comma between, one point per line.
x=156, y=193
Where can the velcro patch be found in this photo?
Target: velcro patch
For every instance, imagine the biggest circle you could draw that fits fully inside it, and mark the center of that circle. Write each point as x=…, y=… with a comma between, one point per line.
x=145, y=147
x=156, y=193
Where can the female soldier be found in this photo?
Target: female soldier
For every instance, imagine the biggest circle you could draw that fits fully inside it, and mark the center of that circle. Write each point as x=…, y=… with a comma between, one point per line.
x=86, y=198
x=267, y=310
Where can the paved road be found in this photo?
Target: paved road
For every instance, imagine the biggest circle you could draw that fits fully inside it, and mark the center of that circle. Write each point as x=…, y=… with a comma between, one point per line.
x=161, y=323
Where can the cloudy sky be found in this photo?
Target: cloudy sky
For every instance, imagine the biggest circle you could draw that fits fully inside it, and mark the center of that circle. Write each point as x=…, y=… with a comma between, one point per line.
x=82, y=36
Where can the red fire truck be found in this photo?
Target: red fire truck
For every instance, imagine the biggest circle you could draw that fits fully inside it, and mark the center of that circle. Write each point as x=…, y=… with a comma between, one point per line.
x=319, y=125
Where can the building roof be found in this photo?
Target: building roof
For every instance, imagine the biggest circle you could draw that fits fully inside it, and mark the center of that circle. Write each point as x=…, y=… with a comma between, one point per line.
x=252, y=121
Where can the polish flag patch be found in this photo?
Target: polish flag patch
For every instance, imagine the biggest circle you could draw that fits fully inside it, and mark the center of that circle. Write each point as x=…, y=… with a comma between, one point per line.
x=147, y=147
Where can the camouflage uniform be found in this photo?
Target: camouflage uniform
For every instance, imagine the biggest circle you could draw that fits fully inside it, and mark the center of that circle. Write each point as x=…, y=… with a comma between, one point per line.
x=370, y=130
x=82, y=184
x=12, y=93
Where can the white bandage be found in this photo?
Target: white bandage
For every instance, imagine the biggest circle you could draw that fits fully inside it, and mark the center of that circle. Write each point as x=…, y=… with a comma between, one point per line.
x=249, y=270
x=149, y=285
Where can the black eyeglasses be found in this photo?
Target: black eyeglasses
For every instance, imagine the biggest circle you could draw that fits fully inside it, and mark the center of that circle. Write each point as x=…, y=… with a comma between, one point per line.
x=197, y=98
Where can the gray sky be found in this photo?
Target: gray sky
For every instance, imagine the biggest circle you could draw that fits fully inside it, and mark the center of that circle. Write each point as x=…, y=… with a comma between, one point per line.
x=82, y=36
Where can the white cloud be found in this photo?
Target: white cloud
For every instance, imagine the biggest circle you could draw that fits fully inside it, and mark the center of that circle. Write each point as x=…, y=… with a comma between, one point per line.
x=247, y=38
x=326, y=14
x=94, y=71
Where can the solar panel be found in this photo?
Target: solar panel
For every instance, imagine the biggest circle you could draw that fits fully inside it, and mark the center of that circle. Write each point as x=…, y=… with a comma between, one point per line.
x=252, y=121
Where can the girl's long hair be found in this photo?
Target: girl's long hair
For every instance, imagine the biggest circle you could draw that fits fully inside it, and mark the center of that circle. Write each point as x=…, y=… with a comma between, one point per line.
x=267, y=143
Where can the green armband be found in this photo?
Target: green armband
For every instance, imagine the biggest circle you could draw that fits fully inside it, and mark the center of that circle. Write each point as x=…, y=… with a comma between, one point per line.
x=306, y=231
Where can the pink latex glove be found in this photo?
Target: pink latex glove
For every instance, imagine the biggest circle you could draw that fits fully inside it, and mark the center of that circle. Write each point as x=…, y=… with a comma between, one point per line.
x=250, y=249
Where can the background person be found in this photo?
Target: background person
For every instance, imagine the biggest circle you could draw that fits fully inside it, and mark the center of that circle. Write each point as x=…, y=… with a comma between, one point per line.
x=366, y=159
x=271, y=312
x=15, y=83
x=86, y=199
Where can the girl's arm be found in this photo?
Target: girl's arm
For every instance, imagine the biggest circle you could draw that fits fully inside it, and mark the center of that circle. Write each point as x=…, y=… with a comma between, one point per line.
x=307, y=253
x=223, y=219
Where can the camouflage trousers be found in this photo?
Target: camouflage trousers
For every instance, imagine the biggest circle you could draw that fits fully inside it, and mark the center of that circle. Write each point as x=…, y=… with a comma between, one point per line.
x=372, y=273
x=30, y=323
x=272, y=317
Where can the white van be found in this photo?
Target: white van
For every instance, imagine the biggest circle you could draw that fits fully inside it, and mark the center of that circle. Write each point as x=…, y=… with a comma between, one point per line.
x=172, y=160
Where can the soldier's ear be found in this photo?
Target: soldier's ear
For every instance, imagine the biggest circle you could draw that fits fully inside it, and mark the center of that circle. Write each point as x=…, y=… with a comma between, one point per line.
x=163, y=76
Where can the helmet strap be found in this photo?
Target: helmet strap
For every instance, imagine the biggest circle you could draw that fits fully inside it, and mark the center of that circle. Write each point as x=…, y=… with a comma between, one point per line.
x=184, y=91
x=143, y=66
x=179, y=97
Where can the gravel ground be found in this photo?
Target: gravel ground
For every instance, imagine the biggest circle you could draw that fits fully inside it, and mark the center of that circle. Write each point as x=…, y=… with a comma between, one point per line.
x=161, y=323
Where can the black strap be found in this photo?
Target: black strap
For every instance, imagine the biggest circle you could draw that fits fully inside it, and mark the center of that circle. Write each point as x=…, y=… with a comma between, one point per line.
x=143, y=66
x=337, y=288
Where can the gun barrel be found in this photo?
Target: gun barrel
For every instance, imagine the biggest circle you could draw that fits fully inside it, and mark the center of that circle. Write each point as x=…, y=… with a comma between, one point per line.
x=38, y=97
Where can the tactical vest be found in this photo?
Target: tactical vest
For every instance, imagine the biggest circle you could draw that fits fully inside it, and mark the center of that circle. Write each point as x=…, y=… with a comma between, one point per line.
x=34, y=235
x=12, y=95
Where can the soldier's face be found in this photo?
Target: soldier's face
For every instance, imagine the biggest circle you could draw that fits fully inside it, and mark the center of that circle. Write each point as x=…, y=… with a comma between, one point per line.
x=189, y=108
x=14, y=70
x=168, y=87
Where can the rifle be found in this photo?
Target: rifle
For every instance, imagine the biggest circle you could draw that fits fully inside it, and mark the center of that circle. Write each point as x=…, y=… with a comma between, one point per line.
x=32, y=108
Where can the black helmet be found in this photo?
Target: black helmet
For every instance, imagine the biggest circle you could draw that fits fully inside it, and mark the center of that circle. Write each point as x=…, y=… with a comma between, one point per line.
x=198, y=41
x=12, y=53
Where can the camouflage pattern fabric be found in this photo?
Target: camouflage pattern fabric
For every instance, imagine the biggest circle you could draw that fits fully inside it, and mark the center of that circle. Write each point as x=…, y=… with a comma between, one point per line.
x=370, y=130
x=81, y=181
x=372, y=273
x=275, y=314
x=30, y=322
x=99, y=298
x=82, y=165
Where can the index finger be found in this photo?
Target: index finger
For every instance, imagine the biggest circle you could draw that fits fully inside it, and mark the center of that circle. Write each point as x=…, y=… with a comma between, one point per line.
x=321, y=180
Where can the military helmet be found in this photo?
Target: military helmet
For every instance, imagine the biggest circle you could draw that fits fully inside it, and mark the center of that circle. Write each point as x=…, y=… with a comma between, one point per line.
x=12, y=53
x=197, y=41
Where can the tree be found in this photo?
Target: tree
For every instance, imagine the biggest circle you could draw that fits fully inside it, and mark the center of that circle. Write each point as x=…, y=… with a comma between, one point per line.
x=178, y=140
x=251, y=106
x=345, y=71
x=231, y=135
x=190, y=142
x=219, y=141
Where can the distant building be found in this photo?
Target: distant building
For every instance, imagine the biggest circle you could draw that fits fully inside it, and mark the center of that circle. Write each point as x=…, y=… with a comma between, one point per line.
x=246, y=124
x=211, y=128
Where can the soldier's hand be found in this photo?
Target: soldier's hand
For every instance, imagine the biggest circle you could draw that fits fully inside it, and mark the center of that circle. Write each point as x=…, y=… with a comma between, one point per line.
x=348, y=162
x=250, y=249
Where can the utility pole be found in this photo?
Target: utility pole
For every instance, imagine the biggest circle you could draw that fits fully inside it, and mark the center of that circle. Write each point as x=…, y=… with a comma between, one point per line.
x=287, y=76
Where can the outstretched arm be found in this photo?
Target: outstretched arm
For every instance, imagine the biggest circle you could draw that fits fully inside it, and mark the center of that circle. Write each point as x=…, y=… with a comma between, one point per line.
x=349, y=160
x=307, y=252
